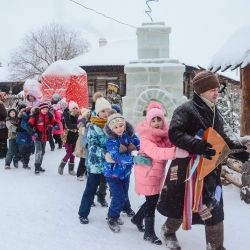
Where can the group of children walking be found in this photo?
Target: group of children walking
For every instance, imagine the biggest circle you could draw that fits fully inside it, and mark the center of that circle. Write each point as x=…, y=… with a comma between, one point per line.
x=110, y=142
x=104, y=142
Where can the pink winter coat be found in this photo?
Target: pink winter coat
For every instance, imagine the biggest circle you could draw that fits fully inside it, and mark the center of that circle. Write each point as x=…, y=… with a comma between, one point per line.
x=58, y=118
x=156, y=145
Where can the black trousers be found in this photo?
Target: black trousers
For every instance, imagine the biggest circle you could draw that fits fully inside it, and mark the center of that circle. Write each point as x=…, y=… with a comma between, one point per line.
x=58, y=139
x=150, y=205
x=82, y=169
x=51, y=140
x=102, y=189
x=3, y=148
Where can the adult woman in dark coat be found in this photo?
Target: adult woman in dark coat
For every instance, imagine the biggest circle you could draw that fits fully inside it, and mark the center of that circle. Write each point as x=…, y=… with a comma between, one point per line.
x=3, y=128
x=188, y=119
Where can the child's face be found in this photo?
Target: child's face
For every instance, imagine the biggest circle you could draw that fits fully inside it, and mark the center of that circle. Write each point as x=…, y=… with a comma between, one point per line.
x=119, y=129
x=12, y=114
x=31, y=98
x=64, y=105
x=44, y=111
x=75, y=110
x=55, y=99
x=156, y=122
x=103, y=114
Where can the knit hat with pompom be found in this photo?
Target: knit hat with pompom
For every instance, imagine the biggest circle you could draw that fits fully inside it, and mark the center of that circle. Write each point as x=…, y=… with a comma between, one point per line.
x=72, y=105
x=114, y=118
x=100, y=102
x=154, y=110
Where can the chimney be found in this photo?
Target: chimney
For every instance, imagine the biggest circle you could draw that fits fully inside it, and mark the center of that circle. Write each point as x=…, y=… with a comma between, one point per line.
x=102, y=42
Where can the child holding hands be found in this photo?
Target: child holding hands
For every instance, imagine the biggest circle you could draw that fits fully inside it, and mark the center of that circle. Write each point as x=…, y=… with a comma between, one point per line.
x=149, y=180
x=121, y=141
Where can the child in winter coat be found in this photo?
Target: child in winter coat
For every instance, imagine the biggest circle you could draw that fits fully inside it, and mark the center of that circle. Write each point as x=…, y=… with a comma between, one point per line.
x=72, y=134
x=120, y=143
x=96, y=148
x=24, y=140
x=37, y=127
x=55, y=99
x=80, y=150
x=50, y=129
x=31, y=99
x=149, y=180
x=11, y=124
x=57, y=134
x=3, y=128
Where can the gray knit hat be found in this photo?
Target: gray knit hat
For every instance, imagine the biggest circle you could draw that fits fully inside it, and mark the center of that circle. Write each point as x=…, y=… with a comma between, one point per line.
x=114, y=118
x=205, y=81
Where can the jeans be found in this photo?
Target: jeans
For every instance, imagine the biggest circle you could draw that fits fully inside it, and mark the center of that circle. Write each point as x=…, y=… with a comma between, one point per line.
x=89, y=194
x=70, y=148
x=24, y=153
x=150, y=205
x=11, y=154
x=119, y=189
x=40, y=151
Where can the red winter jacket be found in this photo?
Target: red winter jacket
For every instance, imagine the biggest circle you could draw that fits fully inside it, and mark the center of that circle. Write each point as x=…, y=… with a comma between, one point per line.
x=39, y=123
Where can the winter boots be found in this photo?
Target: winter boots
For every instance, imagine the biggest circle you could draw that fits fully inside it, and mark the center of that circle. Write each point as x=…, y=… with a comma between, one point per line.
x=149, y=234
x=71, y=169
x=215, y=236
x=84, y=220
x=37, y=166
x=168, y=233
x=138, y=219
x=113, y=224
x=25, y=166
x=130, y=212
x=61, y=167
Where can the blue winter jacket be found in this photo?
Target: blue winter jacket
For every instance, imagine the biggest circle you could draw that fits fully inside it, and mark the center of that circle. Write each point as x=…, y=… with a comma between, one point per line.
x=23, y=137
x=123, y=161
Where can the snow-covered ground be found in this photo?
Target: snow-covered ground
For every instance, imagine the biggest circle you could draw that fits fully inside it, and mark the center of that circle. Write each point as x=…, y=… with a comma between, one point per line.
x=40, y=212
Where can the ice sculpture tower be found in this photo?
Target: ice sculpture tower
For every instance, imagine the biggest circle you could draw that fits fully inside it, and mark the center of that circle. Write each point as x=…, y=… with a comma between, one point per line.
x=154, y=77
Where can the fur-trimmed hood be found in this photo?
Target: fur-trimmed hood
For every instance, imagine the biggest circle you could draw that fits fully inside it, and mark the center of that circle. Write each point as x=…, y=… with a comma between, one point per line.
x=111, y=135
x=154, y=134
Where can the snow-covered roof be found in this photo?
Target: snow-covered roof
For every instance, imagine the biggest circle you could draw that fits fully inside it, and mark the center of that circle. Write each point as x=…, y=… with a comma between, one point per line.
x=116, y=53
x=230, y=74
x=235, y=52
x=63, y=68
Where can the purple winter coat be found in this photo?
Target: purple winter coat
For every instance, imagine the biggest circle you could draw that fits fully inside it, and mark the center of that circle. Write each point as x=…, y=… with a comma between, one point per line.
x=34, y=103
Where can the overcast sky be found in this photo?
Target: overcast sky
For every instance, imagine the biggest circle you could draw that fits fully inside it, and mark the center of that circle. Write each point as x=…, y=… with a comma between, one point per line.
x=199, y=27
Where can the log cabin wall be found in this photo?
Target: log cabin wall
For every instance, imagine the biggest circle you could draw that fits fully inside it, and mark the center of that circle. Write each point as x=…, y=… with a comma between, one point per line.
x=100, y=76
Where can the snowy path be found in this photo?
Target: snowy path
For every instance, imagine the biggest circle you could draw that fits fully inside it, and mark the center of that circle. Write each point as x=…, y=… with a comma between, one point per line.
x=40, y=212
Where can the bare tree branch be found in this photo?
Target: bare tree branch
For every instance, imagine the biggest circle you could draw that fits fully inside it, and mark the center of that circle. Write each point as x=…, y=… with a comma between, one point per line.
x=42, y=47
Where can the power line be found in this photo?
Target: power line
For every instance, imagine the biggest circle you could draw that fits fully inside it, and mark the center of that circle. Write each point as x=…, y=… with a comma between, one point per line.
x=103, y=14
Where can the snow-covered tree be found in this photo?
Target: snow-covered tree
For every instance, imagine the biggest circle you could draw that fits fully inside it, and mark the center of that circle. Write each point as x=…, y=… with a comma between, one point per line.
x=229, y=103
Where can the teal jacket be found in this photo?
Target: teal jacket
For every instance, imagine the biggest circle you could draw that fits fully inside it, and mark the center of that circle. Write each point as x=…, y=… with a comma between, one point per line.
x=96, y=149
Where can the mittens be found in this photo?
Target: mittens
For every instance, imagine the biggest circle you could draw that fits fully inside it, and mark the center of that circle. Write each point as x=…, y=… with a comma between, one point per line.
x=34, y=137
x=206, y=151
x=56, y=127
x=242, y=156
x=142, y=160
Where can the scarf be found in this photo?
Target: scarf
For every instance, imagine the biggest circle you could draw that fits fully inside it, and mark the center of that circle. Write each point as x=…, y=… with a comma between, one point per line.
x=98, y=121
